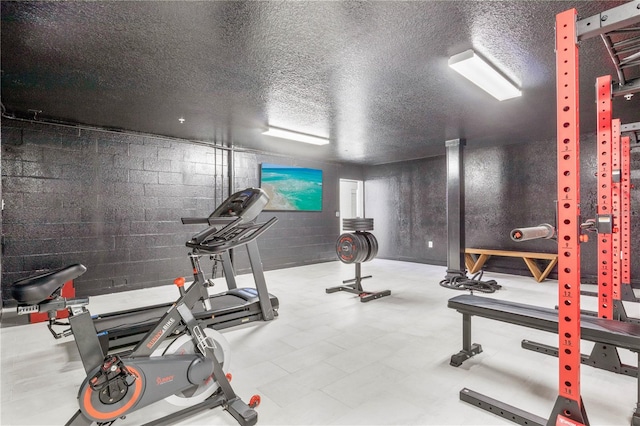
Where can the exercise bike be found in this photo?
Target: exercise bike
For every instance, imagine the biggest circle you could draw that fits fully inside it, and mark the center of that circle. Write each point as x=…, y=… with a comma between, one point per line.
x=188, y=370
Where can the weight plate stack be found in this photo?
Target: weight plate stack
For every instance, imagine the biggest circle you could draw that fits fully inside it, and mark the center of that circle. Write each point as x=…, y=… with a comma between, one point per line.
x=351, y=248
x=357, y=224
x=356, y=247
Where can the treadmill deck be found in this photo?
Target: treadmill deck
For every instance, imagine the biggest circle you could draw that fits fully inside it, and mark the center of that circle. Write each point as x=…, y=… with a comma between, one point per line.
x=126, y=328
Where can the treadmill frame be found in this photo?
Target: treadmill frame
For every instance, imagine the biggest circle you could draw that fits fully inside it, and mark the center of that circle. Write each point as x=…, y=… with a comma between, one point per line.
x=124, y=337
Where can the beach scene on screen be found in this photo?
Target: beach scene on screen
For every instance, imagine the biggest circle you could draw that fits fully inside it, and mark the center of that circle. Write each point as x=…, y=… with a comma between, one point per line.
x=292, y=188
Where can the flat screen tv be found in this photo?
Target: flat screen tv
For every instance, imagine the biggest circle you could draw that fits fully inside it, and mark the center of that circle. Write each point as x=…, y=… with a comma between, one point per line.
x=291, y=188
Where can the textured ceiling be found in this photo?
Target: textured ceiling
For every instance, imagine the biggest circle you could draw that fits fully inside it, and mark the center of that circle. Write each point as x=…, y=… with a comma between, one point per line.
x=371, y=76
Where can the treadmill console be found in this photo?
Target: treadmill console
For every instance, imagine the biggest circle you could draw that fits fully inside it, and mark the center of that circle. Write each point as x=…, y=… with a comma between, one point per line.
x=246, y=204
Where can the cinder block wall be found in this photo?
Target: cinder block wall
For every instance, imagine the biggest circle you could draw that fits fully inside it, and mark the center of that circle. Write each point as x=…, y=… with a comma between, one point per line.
x=114, y=201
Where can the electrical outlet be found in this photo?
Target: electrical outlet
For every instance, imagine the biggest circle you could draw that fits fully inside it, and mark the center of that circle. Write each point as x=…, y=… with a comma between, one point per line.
x=430, y=244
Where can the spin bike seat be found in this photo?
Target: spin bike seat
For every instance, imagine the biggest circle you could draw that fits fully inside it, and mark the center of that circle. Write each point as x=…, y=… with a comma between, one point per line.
x=33, y=290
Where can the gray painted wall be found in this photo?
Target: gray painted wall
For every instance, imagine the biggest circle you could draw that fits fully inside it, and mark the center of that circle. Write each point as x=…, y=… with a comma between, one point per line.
x=505, y=187
x=113, y=202
x=407, y=202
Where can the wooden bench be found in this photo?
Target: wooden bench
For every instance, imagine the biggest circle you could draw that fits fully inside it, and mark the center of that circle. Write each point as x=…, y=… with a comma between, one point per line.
x=474, y=264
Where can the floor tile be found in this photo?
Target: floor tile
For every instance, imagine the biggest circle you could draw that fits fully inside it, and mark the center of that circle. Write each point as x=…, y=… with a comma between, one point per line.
x=329, y=359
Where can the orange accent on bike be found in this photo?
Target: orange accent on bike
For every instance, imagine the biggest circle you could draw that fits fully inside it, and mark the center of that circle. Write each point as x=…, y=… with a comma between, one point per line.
x=99, y=415
x=254, y=401
x=179, y=281
x=229, y=376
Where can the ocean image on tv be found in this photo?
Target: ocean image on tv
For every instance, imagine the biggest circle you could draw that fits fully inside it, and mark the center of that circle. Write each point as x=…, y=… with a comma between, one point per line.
x=292, y=188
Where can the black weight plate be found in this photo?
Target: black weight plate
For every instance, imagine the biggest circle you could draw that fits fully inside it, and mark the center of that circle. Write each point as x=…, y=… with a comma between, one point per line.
x=373, y=246
x=357, y=224
x=366, y=248
x=361, y=247
x=346, y=248
x=374, y=240
x=364, y=235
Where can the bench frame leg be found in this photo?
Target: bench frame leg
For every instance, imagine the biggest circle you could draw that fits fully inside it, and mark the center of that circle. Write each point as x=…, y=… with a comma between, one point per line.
x=563, y=409
x=627, y=294
x=604, y=357
x=521, y=417
x=501, y=409
x=468, y=349
x=568, y=409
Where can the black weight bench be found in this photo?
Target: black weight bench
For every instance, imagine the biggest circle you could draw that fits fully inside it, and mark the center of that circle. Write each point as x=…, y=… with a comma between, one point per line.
x=621, y=334
x=607, y=334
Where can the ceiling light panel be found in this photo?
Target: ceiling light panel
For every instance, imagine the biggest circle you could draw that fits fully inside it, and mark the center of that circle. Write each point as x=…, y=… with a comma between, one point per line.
x=483, y=75
x=277, y=132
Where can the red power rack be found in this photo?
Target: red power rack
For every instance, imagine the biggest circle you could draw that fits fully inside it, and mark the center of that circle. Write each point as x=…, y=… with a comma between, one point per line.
x=615, y=211
x=625, y=219
x=569, y=403
x=605, y=193
x=612, y=224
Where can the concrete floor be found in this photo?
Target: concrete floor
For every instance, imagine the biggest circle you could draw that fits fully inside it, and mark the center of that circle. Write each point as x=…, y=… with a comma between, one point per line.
x=329, y=359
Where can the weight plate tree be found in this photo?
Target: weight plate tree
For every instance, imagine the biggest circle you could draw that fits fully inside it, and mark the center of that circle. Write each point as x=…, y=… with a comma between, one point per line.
x=357, y=247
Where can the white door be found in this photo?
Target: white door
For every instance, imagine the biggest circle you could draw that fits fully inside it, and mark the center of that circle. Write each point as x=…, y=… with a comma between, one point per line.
x=351, y=199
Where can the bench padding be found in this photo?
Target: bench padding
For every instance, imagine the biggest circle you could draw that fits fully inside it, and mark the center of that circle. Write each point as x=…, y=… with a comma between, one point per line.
x=621, y=334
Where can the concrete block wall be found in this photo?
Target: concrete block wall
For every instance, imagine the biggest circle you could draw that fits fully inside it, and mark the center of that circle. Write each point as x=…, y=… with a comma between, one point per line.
x=114, y=201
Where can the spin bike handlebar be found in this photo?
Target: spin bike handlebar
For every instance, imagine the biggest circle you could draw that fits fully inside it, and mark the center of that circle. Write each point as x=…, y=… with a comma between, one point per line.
x=543, y=230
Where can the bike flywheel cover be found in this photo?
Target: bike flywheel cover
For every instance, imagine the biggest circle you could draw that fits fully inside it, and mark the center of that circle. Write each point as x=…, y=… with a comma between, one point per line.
x=184, y=345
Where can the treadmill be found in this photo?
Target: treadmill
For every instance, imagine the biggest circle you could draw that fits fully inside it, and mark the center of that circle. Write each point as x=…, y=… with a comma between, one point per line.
x=231, y=225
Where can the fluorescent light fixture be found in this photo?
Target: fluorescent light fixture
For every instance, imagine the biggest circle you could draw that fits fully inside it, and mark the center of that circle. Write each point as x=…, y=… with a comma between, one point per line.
x=483, y=75
x=277, y=132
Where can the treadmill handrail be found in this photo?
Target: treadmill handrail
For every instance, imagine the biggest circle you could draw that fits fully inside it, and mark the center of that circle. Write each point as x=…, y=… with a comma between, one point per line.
x=194, y=220
x=221, y=220
x=248, y=234
x=201, y=236
x=207, y=220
